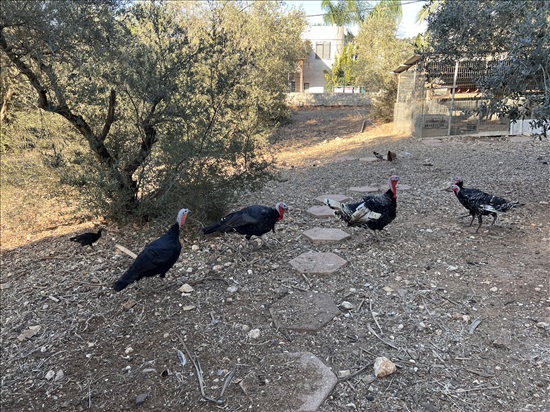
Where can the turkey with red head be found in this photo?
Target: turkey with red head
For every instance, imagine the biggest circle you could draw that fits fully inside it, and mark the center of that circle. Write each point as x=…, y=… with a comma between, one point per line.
x=254, y=220
x=157, y=257
x=374, y=212
x=479, y=203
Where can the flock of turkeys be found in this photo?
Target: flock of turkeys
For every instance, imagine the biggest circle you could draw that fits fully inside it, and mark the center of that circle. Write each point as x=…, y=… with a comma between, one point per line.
x=374, y=212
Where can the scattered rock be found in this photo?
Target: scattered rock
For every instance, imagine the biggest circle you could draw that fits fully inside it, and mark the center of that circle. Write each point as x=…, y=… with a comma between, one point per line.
x=129, y=304
x=141, y=398
x=29, y=333
x=383, y=367
x=254, y=334
x=346, y=305
x=186, y=288
x=59, y=375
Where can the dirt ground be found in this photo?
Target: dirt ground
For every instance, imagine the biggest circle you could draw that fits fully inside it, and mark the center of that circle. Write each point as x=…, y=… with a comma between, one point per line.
x=465, y=316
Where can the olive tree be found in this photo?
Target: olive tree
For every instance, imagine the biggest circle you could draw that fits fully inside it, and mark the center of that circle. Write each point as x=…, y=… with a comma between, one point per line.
x=379, y=51
x=169, y=97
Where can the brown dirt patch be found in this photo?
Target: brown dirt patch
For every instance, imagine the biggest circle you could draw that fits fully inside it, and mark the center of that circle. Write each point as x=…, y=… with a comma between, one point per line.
x=421, y=289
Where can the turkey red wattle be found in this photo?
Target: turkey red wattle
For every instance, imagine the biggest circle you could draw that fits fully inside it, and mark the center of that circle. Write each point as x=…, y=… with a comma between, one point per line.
x=182, y=216
x=281, y=208
x=393, y=184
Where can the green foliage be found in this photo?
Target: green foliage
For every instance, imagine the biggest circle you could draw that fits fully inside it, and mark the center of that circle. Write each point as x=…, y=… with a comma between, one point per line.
x=349, y=12
x=512, y=38
x=344, y=70
x=379, y=52
x=175, y=112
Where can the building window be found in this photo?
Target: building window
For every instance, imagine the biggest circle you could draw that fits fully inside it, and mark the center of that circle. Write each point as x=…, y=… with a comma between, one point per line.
x=292, y=86
x=322, y=50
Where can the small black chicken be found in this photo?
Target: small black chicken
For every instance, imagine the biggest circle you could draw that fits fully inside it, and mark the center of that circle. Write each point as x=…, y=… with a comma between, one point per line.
x=88, y=238
x=480, y=203
x=251, y=221
x=157, y=257
x=372, y=211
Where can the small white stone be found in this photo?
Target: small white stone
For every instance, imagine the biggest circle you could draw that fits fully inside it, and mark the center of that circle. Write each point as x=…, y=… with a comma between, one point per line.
x=195, y=247
x=217, y=268
x=254, y=334
x=346, y=305
x=128, y=350
x=59, y=375
x=493, y=289
x=49, y=376
x=344, y=373
x=186, y=288
x=232, y=289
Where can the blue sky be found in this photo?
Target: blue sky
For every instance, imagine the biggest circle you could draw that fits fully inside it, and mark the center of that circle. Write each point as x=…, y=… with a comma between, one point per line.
x=408, y=27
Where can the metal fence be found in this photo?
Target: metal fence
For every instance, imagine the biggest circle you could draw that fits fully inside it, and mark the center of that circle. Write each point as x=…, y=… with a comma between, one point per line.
x=446, y=103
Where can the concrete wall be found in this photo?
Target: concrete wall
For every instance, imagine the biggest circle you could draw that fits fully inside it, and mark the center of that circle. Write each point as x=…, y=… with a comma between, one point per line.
x=522, y=127
x=328, y=99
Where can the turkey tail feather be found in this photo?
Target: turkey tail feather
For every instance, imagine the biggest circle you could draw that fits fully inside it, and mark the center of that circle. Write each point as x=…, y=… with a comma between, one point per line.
x=333, y=204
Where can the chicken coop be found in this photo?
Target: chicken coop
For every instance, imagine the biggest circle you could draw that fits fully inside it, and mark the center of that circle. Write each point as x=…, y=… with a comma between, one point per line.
x=446, y=103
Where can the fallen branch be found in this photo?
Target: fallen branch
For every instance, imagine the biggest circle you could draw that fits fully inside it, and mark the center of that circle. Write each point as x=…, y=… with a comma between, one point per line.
x=196, y=363
x=127, y=251
x=375, y=334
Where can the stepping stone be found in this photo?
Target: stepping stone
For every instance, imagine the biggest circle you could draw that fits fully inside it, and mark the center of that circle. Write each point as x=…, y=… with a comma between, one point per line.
x=369, y=159
x=320, y=263
x=364, y=189
x=285, y=382
x=304, y=312
x=521, y=139
x=399, y=187
x=322, y=235
x=432, y=142
x=346, y=158
x=339, y=198
x=323, y=212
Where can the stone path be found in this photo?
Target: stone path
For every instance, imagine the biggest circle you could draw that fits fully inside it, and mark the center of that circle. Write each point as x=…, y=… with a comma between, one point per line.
x=311, y=381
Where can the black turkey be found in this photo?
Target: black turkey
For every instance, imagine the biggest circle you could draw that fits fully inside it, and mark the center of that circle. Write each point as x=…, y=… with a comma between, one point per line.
x=479, y=203
x=373, y=211
x=254, y=220
x=157, y=257
x=88, y=238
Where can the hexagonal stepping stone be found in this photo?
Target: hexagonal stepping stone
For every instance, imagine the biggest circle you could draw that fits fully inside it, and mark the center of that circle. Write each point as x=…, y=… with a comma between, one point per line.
x=364, y=189
x=323, y=235
x=345, y=158
x=339, y=198
x=297, y=382
x=400, y=186
x=369, y=159
x=304, y=311
x=322, y=212
x=320, y=263
x=432, y=142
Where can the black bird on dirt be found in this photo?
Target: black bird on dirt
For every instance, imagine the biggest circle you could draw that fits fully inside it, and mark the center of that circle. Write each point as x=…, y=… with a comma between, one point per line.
x=157, y=257
x=254, y=220
x=374, y=212
x=479, y=203
x=88, y=238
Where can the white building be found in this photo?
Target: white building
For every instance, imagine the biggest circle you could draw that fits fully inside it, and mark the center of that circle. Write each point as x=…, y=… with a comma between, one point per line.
x=327, y=43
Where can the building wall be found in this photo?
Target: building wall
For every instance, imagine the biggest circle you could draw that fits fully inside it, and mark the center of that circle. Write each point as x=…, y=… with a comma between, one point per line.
x=327, y=43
